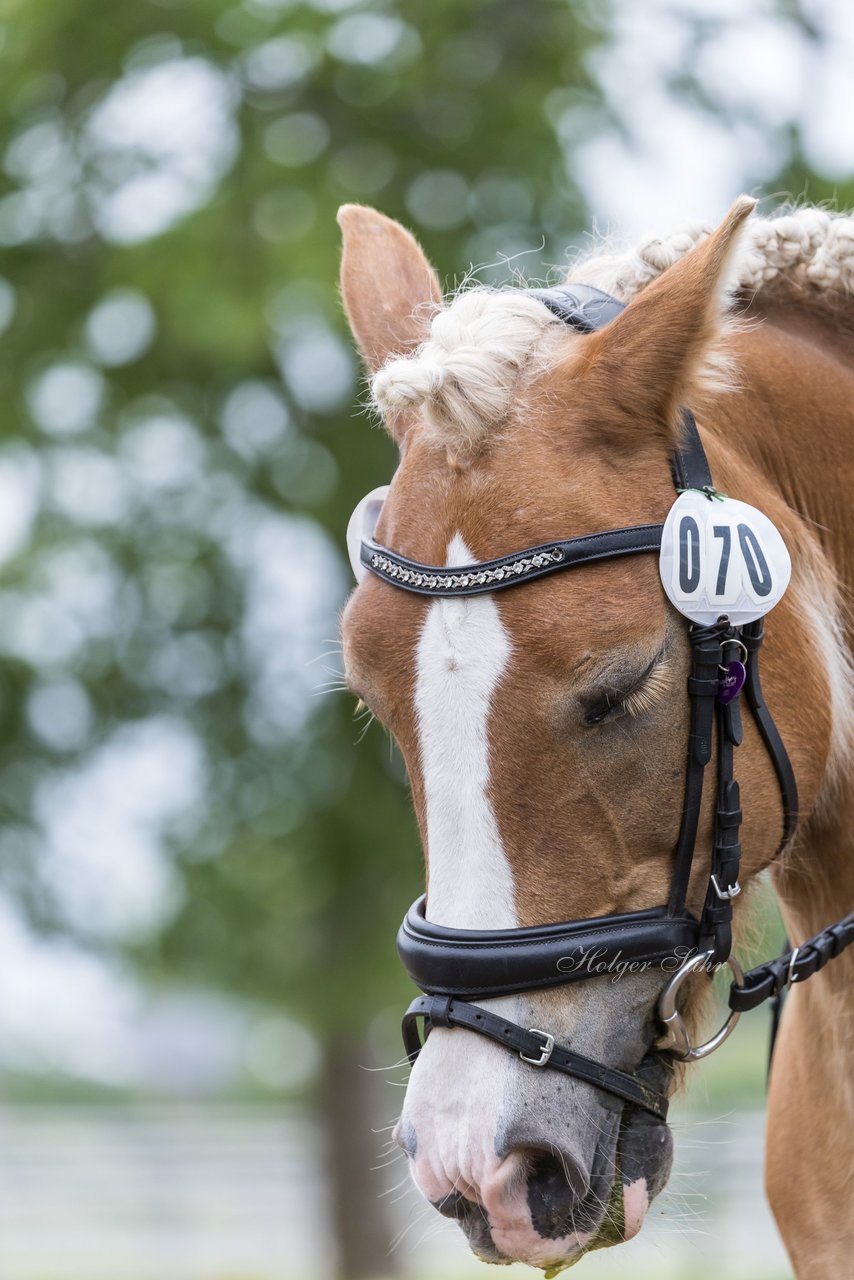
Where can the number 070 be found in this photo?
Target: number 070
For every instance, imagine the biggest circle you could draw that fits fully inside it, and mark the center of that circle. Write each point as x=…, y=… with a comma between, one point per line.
x=723, y=582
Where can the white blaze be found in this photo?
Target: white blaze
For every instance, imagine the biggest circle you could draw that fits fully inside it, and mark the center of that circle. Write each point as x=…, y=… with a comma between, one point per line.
x=462, y=654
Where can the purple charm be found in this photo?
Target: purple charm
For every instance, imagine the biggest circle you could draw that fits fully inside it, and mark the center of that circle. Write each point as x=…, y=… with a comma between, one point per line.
x=731, y=678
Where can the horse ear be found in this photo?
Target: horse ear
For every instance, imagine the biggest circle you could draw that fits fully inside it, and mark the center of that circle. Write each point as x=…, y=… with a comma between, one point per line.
x=647, y=362
x=390, y=290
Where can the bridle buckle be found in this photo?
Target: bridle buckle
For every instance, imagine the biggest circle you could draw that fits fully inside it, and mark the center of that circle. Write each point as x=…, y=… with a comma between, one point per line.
x=727, y=894
x=546, y=1053
x=791, y=976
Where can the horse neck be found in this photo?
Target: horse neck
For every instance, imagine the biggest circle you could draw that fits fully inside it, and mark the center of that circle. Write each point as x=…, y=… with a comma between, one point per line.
x=788, y=433
x=792, y=418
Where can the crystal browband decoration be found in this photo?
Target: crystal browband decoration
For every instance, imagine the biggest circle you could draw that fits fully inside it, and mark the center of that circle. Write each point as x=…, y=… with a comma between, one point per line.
x=451, y=580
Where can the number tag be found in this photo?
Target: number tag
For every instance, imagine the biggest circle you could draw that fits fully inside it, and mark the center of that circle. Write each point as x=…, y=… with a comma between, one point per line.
x=361, y=525
x=722, y=557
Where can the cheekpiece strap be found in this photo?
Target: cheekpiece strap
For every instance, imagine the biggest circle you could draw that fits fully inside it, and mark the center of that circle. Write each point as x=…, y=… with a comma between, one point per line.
x=703, y=685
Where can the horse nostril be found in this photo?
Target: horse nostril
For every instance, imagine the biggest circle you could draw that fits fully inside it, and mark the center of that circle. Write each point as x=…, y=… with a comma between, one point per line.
x=455, y=1205
x=558, y=1196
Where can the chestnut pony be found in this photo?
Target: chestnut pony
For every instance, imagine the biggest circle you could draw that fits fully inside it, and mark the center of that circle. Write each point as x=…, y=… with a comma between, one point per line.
x=544, y=729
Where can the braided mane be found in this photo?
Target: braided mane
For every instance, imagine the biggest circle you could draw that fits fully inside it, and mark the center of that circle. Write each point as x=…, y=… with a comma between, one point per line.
x=485, y=344
x=807, y=246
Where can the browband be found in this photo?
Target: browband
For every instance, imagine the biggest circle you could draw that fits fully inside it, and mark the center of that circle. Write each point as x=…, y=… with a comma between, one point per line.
x=507, y=571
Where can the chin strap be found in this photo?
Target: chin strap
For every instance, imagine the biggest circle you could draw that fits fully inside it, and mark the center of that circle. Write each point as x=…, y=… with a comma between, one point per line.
x=537, y=1048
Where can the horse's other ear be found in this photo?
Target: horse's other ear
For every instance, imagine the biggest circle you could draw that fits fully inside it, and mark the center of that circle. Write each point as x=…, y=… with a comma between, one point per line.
x=648, y=361
x=390, y=290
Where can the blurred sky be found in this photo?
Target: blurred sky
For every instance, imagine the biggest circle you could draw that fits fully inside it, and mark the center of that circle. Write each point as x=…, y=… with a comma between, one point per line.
x=103, y=824
x=676, y=162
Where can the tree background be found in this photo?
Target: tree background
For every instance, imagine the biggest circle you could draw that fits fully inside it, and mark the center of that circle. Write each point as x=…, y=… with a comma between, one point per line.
x=185, y=794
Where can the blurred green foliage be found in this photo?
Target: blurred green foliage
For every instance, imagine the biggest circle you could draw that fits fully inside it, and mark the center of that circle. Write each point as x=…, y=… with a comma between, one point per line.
x=300, y=852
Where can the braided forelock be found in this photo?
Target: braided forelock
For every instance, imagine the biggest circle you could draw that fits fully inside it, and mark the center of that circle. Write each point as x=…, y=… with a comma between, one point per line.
x=466, y=376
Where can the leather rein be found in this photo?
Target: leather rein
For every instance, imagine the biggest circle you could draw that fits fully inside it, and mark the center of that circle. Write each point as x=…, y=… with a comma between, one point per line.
x=455, y=967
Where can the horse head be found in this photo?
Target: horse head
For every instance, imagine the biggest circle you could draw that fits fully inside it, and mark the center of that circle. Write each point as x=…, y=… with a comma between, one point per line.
x=545, y=729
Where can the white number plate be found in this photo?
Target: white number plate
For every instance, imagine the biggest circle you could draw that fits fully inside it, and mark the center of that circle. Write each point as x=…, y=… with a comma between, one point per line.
x=722, y=557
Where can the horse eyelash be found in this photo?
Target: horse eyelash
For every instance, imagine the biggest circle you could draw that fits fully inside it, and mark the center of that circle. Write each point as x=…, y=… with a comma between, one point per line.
x=637, y=700
x=644, y=697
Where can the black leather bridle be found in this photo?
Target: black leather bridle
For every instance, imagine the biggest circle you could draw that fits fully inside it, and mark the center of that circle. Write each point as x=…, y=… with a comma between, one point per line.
x=454, y=967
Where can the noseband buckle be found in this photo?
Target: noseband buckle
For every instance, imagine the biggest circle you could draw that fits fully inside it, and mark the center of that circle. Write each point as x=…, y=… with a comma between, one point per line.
x=548, y=1046
x=677, y=1041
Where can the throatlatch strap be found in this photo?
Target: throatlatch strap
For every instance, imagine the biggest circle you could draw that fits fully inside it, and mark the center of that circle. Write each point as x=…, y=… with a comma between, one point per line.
x=535, y=1047
x=752, y=636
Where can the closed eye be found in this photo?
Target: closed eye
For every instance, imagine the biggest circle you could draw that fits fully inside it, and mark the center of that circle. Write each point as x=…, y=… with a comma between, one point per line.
x=633, y=699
